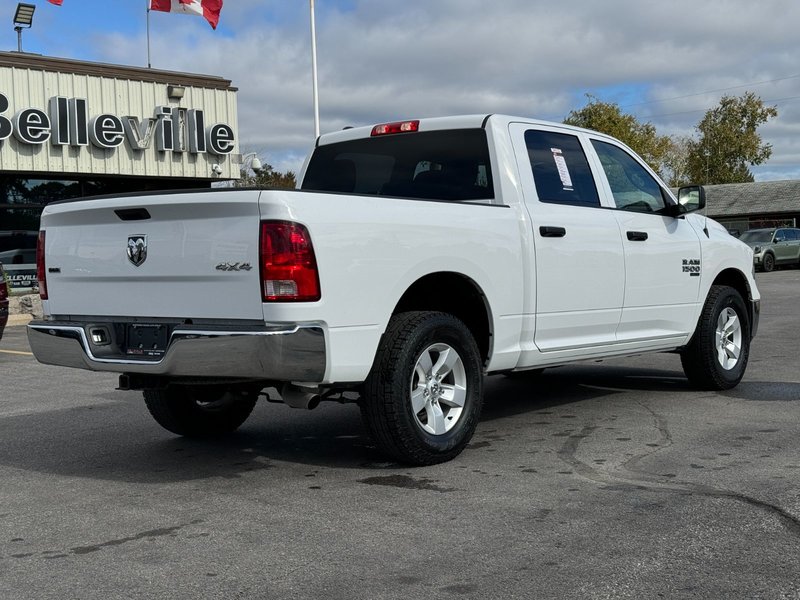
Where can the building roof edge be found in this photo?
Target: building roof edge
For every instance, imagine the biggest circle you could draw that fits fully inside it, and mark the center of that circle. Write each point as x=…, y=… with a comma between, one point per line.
x=23, y=60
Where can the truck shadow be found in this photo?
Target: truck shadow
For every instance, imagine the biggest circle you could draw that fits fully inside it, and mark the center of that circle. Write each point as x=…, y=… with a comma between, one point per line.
x=117, y=440
x=519, y=394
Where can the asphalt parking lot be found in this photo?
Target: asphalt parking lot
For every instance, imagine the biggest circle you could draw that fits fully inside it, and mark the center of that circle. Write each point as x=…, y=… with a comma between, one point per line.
x=611, y=480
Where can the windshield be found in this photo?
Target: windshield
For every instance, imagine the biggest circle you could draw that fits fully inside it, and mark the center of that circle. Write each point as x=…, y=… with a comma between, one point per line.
x=437, y=165
x=757, y=236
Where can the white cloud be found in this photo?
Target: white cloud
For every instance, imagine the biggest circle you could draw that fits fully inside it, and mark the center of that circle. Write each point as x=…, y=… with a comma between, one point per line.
x=381, y=60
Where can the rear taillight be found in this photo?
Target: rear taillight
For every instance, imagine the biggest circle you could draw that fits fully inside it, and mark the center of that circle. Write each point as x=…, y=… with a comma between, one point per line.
x=41, y=272
x=399, y=127
x=288, y=265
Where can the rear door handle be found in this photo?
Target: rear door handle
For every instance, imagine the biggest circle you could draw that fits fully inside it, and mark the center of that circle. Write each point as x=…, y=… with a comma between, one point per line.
x=637, y=236
x=550, y=231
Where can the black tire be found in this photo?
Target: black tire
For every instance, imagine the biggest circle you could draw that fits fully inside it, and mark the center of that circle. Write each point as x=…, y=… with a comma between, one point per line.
x=200, y=411
x=700, y=359
x=386, y=403
x=768, y=263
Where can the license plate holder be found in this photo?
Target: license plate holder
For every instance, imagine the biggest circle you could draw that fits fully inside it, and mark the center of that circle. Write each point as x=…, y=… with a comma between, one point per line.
x=146, y=340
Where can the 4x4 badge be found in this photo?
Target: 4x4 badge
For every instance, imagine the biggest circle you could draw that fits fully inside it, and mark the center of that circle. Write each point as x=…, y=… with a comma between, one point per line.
x=137, y=249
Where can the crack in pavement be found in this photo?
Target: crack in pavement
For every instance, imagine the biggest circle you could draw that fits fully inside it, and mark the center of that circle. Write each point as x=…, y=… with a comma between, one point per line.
x=665, y=441
x=649, y=481
x=81, y=550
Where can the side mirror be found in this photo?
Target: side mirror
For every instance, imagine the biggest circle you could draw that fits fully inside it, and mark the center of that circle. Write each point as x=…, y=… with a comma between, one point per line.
x=690, y=199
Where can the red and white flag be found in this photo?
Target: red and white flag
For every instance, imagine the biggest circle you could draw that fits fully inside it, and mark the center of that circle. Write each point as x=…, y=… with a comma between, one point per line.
x=56, y=2
x=209, y=9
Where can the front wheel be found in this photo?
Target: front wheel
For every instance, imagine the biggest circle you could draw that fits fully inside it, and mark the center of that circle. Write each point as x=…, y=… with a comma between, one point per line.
x=200, y=411
x=717, y=354
x=768, y=263
x=422, y=399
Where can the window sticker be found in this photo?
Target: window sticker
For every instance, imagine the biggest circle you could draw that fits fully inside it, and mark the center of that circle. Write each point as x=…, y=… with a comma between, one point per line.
x=563, y=171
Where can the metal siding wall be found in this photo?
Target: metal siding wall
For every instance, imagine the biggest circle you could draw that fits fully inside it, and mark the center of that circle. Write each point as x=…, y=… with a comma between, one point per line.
x=26, y=88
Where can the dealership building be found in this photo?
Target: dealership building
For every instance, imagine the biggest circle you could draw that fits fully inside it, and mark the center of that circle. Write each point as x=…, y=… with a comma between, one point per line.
x=72, y=128
x=743, y=206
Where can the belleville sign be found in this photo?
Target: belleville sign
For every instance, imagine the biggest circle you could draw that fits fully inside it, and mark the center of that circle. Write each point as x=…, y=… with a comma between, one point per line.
x=67, y=123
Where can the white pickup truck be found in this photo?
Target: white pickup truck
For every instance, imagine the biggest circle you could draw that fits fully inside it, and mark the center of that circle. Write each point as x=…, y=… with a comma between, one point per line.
x=415, y=258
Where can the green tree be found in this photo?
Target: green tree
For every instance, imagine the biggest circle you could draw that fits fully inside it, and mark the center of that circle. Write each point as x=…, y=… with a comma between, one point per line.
x=729, y=142
x=676, y=161
x=267, y=176
x=607, y=117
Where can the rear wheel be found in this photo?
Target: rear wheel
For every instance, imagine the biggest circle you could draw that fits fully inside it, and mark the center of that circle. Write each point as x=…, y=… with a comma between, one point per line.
x=195, y=411
x=423, y=397
x=716, y=357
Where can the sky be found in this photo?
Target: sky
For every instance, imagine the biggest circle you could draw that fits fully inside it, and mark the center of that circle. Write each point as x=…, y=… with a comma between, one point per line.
x=378, y=60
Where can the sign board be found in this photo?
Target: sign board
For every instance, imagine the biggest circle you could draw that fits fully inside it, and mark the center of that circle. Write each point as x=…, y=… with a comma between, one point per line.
x=68, y=123
x=21, y=278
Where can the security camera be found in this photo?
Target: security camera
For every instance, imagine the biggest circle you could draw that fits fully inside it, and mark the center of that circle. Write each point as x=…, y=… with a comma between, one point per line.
x=216, y=169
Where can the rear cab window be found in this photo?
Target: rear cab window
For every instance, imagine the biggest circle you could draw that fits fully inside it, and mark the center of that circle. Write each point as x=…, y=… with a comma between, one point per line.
x=451, y=165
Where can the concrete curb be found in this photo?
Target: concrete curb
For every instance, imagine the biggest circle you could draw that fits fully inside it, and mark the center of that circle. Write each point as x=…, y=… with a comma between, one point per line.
x=15, y=320
x=23, y=309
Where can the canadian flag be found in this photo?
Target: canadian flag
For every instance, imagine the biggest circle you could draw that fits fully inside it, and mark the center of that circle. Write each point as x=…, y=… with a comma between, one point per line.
x=209, y=9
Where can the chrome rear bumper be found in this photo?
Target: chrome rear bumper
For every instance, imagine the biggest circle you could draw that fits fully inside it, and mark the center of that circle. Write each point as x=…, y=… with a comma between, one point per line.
x=284, y=352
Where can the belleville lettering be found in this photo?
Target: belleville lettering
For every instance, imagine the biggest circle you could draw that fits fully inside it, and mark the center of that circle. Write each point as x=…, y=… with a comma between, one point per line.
x=67, y=123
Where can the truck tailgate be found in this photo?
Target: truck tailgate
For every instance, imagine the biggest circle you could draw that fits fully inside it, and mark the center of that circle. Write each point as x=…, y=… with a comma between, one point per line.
x=199, y=260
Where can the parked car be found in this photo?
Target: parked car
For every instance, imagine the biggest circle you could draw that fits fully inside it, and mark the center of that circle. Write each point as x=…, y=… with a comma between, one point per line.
x=773, y=247
x=3, y=301
x=18, y=247
x=19, y=256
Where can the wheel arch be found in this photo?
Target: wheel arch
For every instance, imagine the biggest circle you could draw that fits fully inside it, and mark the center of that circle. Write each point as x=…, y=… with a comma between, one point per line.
x=456, y=294
x=738, y=281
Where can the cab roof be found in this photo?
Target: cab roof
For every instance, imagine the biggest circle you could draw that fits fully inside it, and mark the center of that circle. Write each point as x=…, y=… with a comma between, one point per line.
x=476, y=121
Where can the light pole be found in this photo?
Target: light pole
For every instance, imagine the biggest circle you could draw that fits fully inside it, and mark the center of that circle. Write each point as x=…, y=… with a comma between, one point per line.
x=255, y=163
x=247, y=163
x=250, y=162
x=23, y=19
x=314, y=70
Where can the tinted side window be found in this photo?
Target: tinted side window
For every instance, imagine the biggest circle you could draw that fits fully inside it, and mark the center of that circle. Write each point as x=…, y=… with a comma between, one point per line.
x=631, y=185
x=791, y=235
x=560, y=169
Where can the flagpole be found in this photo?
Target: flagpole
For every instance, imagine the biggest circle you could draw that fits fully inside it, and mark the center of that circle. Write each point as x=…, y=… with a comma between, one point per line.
x=148, y=34
x=314, y=71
